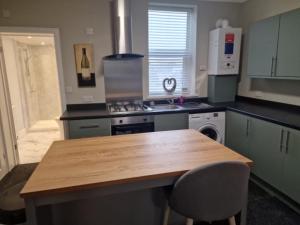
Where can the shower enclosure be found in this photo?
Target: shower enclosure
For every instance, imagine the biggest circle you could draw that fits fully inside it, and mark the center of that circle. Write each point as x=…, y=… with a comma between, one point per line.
x=34, y=91
x=40, y=83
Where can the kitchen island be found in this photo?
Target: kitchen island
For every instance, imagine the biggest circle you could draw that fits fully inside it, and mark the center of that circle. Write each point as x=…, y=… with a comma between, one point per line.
x=93, y=167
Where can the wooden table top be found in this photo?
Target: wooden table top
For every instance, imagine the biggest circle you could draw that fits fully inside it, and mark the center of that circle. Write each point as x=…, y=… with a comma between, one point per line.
x=73, y=165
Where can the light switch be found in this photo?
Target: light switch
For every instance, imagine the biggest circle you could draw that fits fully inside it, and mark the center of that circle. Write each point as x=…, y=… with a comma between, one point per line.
x=89, y=31
x=202, y=68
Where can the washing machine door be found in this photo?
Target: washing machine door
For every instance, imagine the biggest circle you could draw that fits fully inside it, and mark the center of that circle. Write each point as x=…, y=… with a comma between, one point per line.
x=211, y=131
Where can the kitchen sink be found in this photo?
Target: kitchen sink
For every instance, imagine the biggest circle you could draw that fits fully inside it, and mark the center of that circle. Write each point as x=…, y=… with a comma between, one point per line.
x=165, y=107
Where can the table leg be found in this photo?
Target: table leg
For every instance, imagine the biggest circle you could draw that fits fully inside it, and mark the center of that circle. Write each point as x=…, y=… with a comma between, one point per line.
x=31, y=216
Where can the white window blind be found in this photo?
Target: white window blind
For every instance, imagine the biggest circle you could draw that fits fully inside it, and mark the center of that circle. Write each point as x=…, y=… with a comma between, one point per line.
x=170, y=49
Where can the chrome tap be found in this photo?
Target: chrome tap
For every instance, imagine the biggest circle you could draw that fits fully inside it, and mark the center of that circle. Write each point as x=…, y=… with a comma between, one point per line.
x=171, y=101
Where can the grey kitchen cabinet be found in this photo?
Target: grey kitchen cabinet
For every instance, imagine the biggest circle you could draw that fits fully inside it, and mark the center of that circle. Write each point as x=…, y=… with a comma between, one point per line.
x=237, y=126
x=259, y=140
x=291, y=171
x=265, y=144
x=288, y=56
x=262, y=47
x=89, y=128
x=274, y=149
x=176, y=121
x=274, y=47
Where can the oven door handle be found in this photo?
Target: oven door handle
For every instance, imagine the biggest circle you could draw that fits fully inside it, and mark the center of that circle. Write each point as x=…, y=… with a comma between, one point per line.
x=130, y=126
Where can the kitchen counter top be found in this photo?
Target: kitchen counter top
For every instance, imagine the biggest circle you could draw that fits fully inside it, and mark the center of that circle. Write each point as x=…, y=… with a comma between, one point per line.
x=282, y=114
x=84, y=164
x=279, y=113
x=101, y=112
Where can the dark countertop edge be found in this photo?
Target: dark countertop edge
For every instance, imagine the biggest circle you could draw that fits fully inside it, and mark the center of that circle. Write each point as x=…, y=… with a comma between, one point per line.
x=271, y=104
x=268, y=119
x=205, y=110
x=90, y=106
x=268, y=104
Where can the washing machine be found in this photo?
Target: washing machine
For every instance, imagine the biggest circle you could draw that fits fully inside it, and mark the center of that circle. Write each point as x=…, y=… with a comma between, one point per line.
x=209, y=124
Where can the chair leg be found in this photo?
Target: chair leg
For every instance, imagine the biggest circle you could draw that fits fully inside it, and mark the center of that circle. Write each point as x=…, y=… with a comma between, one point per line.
x=189, y=221
x=232, y=221
x=166, y=214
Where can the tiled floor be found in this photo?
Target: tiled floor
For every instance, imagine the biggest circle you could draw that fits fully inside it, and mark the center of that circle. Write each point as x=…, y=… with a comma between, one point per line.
x=35, y=143
x=264, y=209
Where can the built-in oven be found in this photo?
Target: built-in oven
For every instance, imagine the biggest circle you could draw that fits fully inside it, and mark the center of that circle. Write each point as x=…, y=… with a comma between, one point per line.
x=132, y=125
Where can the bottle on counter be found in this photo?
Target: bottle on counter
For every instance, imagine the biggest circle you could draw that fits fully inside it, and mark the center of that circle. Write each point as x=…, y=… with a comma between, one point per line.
x=181, y=100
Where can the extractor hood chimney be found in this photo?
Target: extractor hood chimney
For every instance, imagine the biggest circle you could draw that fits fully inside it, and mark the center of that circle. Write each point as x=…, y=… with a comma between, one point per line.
x=122, y=32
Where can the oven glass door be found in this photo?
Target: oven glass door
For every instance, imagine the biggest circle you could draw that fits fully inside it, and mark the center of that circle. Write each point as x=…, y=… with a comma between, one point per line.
x=132, y=128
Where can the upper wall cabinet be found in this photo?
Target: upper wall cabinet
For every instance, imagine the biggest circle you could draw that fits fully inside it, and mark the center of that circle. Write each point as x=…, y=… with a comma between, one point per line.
x=288, y=56
x=263, y=39
x=274, y=47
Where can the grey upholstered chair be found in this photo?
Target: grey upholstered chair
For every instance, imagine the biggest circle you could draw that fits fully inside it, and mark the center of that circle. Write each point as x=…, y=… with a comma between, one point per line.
x=210, y=193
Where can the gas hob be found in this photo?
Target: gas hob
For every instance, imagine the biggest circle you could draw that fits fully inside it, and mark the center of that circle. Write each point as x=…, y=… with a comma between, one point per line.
x=126, y=107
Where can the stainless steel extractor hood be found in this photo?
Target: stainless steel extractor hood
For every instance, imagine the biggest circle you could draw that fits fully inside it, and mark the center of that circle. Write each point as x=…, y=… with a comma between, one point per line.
x=122, y=32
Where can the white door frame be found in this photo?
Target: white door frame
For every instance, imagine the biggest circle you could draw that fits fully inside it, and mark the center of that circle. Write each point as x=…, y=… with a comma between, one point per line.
x=3, y=157
x=34, y=30
x=8, y=140
x=56, y=34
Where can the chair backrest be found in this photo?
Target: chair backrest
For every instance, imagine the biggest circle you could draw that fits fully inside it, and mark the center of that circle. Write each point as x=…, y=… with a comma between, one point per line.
x=212, y=192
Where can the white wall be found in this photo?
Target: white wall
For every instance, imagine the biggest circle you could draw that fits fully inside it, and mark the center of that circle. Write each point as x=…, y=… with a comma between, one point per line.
x=13, y=82
x=72, y=17
x=274, y=90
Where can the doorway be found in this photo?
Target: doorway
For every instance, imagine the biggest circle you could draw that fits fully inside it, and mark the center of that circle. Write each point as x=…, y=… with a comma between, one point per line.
x=34, y=89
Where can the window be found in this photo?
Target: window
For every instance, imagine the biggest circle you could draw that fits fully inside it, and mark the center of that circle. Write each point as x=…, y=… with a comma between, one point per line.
x=171, y=50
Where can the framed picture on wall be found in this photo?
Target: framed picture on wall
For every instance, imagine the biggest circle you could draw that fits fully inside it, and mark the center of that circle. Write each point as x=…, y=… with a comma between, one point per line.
x=85, y=68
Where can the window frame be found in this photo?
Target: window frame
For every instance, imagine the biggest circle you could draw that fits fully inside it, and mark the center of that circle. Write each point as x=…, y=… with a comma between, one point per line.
x=193, y=47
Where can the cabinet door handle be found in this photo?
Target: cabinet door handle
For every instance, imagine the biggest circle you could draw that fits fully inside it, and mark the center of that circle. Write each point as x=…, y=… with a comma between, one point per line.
x=275, y=66
x=272, y=66
x=281, y=140
x=89, y=127
x=287, y=142
x=247, y=128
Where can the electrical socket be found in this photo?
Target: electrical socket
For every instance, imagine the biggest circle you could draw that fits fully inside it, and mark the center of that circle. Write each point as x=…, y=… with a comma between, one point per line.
x=88, y=98
x=89, y=31
x=203, y=68
x=258, y=94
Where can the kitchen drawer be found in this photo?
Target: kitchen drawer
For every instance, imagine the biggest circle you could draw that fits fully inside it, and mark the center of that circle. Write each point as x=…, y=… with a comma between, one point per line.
x=89, y=128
